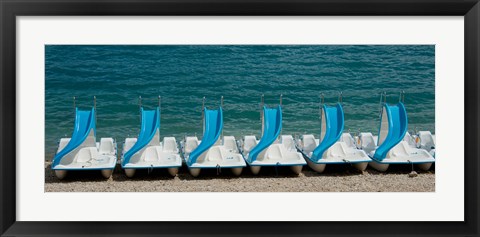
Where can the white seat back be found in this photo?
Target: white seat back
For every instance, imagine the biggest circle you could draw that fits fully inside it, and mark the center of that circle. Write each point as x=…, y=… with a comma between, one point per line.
x=409, y=139
x=275, y=152
x=249, y=143
x=348, y=139
x=400, y=150
x=62, y=144
x=426, y=140
x=151, y=154
x=214, y=154
x=129, y=142
x=190, y=144
x=337, y=150
x=170, y=145
x=287, y=141
x=309, y=143
x=229, y=143
x=84, y=155
x=106, y=146
x=367, y=141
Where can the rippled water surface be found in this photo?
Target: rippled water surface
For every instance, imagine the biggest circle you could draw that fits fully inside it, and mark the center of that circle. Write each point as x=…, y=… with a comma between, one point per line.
x=182, y=75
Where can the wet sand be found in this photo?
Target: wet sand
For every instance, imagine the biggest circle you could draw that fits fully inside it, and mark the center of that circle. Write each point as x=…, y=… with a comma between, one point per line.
x=336, y=178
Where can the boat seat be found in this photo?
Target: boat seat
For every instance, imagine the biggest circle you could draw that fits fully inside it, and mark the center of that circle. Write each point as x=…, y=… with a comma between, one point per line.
x=249, y=143
x=367, y=141
x=337, y=150
x=400, y=150
x=85, y=154
x=106, y=146
x=287, y=141
x=62, y=143
x=426, y=140
x=190, y=144
x=409, y=139
x=309, y=143
x=275, y=153
x=214, y=154
x=129, y=142
x=151, y=154
x=229, y=143
x=169, y=145
x=348, y=139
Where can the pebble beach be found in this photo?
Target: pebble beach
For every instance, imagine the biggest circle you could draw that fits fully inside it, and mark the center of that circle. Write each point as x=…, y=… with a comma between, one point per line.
x=336, y=178
x=118, y=80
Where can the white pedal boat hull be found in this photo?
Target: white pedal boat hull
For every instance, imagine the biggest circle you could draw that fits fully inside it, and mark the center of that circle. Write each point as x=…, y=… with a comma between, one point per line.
x=280, y=153
x=102, y=157
x=402, y=153
x=222, y=155
x=163, y=155
x=343, y=151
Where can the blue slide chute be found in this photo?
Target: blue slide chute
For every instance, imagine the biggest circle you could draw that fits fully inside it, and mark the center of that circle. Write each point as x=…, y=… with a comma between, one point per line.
x=334, y=123
x=84, y=122
x=150, y=124
x=272, y=119
x=213, y=122
x=397, y=128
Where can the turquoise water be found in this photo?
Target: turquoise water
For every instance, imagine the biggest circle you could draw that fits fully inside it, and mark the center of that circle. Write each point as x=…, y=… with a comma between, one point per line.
x=182, y=75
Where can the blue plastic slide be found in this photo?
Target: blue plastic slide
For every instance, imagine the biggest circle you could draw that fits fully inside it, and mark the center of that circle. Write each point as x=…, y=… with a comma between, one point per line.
x=334, y=121
x=272, y=119
x=397, y=127
x=150, y=124
x=213, y=123
x=84, y=122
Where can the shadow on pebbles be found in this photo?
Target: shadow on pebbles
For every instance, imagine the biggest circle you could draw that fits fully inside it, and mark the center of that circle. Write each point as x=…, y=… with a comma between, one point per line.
x=336, y=178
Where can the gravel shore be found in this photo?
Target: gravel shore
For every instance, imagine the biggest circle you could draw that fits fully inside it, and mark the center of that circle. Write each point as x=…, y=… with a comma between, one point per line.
x=336, y=178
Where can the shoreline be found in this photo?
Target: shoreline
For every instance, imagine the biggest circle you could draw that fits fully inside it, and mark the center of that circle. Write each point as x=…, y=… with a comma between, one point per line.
x=336, y=178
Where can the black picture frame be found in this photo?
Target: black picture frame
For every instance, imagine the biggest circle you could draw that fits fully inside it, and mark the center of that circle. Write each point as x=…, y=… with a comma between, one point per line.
x=10, y=9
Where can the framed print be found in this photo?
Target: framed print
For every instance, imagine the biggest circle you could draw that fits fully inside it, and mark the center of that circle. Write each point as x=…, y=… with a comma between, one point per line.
x=239, y=118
